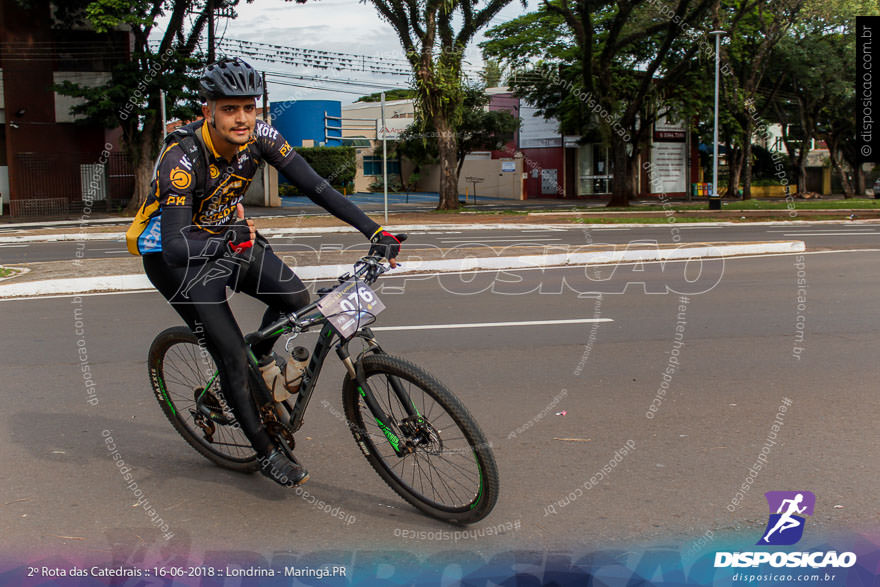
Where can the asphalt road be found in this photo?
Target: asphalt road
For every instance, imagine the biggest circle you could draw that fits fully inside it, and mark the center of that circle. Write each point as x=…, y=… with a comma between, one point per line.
x=741, y=358
x=816, y=236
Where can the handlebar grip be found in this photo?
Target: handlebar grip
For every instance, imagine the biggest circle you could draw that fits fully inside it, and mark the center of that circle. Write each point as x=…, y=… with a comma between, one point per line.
x=266, y=332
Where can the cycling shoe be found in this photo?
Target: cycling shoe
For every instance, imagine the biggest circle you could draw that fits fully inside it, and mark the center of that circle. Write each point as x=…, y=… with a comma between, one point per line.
x=278, y=467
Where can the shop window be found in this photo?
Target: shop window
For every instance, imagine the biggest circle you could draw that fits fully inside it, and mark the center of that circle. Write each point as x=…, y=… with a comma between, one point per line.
x=373, y=166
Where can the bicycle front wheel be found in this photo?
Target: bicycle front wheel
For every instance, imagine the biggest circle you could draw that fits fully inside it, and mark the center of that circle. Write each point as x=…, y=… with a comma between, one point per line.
x=446, y=468
x=186, y=382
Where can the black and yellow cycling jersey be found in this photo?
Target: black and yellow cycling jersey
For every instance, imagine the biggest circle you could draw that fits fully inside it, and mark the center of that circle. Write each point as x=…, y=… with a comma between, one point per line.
x=209, y=191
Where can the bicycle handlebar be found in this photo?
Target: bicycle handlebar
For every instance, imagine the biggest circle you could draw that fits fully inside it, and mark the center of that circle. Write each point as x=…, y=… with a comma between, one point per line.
x=367, y=268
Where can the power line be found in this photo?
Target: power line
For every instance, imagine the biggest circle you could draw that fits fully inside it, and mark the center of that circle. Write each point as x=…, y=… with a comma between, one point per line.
x=326, y=59
x=330, y=56
x=315, y=59
x=351, y=82
x=337, y=90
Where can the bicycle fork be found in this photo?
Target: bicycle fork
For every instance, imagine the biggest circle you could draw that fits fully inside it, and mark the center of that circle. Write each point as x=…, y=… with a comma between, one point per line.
x=356, y=372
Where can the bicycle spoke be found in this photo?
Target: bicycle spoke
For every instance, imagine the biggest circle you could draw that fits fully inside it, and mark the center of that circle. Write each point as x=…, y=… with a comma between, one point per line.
x=421, y=471
x=187, y=363
x=449, y=489
x=442, y=468
x=186, y=367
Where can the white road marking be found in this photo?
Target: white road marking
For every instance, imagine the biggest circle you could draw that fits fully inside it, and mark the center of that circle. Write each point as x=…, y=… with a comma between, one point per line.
x=529, y=240
x=495, y=324
x=830, y=233
x=829, y=230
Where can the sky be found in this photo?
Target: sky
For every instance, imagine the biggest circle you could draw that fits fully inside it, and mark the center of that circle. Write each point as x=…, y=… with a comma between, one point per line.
x=346, y=26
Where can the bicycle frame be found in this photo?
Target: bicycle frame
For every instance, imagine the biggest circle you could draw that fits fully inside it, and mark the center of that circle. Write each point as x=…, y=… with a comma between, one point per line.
x=326, y=339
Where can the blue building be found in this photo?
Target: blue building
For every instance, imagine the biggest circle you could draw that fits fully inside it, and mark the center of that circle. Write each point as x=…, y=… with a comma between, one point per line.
x=308, y=123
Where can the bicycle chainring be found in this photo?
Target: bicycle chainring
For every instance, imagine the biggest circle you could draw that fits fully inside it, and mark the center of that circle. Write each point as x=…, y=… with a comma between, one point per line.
x=276, y=428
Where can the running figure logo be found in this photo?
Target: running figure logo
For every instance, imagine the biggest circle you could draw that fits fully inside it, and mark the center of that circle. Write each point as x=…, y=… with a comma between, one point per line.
x=786, y=525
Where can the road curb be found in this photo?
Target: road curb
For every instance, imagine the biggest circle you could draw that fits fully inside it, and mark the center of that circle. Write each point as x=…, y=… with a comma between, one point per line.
x=294, y=231
x=275, y=232
x=138, y=282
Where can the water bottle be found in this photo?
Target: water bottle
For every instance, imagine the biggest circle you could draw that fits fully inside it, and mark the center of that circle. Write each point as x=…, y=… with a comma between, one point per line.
x=296, y=366
x=274, y=380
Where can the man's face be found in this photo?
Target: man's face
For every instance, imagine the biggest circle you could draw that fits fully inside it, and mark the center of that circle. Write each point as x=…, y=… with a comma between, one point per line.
x=233, y=119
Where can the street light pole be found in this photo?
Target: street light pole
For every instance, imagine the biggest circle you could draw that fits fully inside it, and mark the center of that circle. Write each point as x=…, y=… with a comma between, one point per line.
x=164, y=116
x=385, y=157
x=714, y=199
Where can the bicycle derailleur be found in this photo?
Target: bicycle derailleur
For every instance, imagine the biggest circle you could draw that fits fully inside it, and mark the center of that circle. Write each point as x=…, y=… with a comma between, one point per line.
x=209, y=410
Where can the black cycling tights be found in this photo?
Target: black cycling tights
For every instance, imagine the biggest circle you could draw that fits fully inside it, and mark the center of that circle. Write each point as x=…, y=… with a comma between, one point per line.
x=198, y=293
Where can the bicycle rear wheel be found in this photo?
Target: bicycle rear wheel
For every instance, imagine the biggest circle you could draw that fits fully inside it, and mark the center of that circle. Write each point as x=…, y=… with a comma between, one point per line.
x=186, y=382
x=447, y=470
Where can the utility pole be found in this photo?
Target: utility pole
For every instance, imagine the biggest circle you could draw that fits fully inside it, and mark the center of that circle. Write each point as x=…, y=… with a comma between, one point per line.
x=211, y=31
x=265, y=99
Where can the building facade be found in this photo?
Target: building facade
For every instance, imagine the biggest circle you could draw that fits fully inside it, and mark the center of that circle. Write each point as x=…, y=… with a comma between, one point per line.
x=564, y=166
x=48, y=161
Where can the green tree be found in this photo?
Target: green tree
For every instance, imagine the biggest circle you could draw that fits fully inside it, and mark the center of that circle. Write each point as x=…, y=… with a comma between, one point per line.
x=603, y=69
x=754, y=28
x=398, y=94
x=810, y=64
x=492, y=74
x=131, y=98
x=435, y=50
x=419, y=148
x=479, y=130
x=821, y=55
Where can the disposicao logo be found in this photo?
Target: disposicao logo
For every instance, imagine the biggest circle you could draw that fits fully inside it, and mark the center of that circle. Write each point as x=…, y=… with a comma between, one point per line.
x=787, y=510
x=785, y=527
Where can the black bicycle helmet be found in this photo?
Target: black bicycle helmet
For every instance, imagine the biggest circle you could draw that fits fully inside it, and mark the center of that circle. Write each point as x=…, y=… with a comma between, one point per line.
x=230, y=78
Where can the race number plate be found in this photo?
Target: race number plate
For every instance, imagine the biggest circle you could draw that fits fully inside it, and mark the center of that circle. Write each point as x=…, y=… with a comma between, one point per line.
x=350, y=306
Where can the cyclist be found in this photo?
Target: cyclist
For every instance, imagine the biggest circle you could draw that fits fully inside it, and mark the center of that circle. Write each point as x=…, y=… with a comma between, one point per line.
x=195, y=241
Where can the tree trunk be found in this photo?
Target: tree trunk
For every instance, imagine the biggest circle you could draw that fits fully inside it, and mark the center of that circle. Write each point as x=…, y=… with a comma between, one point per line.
x=802, y=168
x=734, y=170
x=141, y=153
x=447, y=145
x=747, y=163
x=143, y=175
x=623, y=187
x=835, y=162
x=860, y=180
